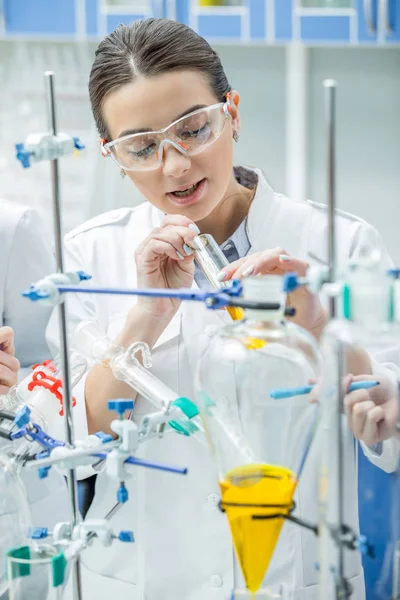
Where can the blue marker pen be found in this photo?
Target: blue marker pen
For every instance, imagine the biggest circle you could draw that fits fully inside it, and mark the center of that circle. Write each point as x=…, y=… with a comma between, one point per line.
x=300, y=391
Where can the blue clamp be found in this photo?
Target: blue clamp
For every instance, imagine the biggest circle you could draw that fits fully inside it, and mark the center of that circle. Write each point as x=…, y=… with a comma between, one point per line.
x=122, y=494
x=290, y=282
x=104, y=437
x=37, y=434
x=83, y=276
x=22, y=417
x=78, y=144
x=126, y=536
x=395, y=273
x=39, y=533
x=33, y=293
x=23, y=155
x=362, y=544
x=120, y=406
x=43, y=472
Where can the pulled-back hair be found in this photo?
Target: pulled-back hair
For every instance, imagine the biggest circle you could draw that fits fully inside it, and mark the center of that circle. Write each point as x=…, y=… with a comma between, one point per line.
x=147, y=48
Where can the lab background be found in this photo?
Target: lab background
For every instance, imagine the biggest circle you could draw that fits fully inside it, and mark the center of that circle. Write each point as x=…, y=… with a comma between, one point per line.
x=276, y=54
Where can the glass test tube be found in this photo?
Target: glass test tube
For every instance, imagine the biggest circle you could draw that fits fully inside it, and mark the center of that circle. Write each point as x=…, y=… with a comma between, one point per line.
x=211, y=260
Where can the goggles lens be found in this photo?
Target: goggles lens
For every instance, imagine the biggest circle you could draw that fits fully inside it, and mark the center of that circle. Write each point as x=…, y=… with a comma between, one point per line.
x=190, y=134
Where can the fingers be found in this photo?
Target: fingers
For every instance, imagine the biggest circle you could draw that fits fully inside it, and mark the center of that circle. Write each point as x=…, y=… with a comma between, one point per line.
x=359, y=419
x=170, y=240
x=7, y=340
x=372, y=425
x=273, y=261
x=9, y=368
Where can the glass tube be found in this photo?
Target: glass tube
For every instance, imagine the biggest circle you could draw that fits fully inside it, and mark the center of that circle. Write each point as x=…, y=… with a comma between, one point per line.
x=211, y=260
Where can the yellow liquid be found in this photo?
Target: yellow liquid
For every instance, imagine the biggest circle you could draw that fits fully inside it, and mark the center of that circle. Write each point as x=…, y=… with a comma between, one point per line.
x=237, y=314
x=255, y=539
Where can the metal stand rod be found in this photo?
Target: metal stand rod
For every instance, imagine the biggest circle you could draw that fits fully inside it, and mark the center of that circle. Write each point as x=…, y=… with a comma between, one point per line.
x=68, y=422
x=330, y=102
x=330, y=114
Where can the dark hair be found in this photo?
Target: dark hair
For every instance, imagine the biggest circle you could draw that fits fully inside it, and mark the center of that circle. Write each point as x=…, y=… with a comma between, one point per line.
x=148, y=48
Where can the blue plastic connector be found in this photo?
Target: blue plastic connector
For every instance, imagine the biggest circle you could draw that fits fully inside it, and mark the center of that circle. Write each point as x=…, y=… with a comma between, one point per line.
x=120, y=406
x=395, y=273
x=43, y=472
x=34, y=294
x=39, y=533
x=122, y=494
x=23, y=155
x=366, y=549
x=126, y=536
x=78, y=144
x=290, y=282
x=22, y=417
x=104, y=437
x=83, y=276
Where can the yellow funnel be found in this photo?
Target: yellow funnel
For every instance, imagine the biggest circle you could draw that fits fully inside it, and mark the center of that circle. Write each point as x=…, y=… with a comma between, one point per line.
x=251, y=496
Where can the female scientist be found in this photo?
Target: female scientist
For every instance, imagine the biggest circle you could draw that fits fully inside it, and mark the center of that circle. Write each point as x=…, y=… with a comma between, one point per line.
x=169, y=119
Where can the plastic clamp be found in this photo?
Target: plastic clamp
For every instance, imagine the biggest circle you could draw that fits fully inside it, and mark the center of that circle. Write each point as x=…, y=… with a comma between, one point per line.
x=78, y=144
x=23, y=155
x=22, y=417
x=122, y=494
x=39, y=533
x=394, y=273
x=126, y=536
x=104, y=437
x=290, y=282
x=83, y=276
x=43, y=472
x=120, y=406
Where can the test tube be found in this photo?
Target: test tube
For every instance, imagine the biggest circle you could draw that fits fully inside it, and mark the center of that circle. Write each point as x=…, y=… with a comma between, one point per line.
x=211, y=260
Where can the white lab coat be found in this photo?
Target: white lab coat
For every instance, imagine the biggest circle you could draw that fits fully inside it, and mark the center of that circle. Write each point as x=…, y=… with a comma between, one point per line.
x=183, y=547
x=26, y=256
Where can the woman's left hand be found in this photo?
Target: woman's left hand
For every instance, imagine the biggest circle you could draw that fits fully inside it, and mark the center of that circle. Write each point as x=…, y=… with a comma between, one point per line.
x=309, y=312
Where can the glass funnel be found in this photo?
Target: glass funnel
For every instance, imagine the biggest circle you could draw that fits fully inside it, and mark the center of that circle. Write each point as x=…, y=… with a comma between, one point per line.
x=15, y=519
x=259, y=421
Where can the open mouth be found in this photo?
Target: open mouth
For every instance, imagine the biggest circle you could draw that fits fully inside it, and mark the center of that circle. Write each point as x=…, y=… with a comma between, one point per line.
x=188, y=195
x=187, y=192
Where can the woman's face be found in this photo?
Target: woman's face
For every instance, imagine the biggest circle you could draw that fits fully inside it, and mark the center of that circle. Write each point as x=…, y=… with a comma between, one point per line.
x=156, y=102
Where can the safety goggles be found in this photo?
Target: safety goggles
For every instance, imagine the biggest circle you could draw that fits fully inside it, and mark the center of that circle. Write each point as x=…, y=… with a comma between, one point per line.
x=190, y=135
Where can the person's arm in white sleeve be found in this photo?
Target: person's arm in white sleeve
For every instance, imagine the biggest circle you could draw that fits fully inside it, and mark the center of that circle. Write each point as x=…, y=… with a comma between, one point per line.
x=30, y=258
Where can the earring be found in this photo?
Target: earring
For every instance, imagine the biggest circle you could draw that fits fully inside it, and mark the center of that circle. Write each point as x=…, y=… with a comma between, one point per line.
x=235, y=136
x=122, y=173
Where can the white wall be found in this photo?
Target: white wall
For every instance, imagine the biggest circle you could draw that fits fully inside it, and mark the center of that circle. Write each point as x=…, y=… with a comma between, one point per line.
x=368, y=135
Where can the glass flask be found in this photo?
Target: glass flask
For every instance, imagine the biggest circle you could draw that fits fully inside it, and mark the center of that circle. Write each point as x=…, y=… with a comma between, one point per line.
x=15, y=518
x=36, y=572
x=42, y=392
x=260, y=443
x=360, y=481
x=210, y=258
x=126, y=367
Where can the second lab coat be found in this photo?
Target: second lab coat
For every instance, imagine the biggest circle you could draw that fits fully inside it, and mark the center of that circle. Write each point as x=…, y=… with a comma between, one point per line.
x=25, y=256
x=183, y=549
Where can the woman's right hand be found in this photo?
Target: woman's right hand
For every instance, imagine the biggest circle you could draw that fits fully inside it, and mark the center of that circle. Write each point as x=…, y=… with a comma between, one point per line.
x=165, y=260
